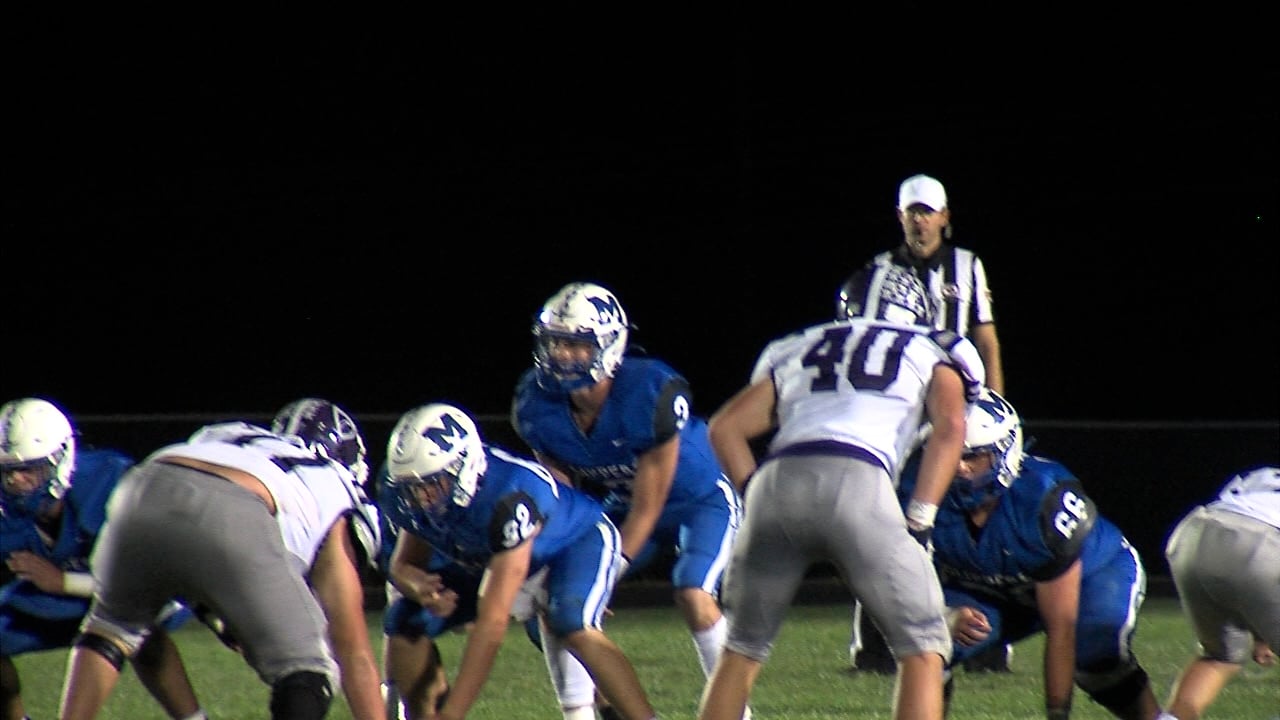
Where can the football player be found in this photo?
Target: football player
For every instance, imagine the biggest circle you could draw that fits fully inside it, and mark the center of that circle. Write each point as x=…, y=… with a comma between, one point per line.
x=483, y=536
x=266, y=529
x=1225, y=558
x=1021, y=549
x=52, y=506
x=842, y=403
x=621, y=427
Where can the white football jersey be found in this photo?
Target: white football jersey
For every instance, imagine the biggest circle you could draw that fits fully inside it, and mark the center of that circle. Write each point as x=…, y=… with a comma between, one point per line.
x=860, y=383
x=1255, y=494
x=310, y=492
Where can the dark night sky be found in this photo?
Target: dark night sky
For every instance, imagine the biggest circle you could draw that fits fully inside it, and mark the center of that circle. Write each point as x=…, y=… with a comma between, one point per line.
x=214, y=219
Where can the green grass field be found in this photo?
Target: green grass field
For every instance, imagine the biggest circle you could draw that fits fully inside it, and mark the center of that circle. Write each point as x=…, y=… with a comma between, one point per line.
x=806, y=677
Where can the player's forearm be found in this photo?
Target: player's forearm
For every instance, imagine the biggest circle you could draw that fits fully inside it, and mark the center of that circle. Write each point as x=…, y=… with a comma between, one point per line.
x=989, y=349
x=636, y=530
x=946, y=408
x=937, y=468
x=342, y=599
x=362, y=686
x=736, y=458
x=412, y=582
x=649, y=492
x=478, y=656
x=1059, y=670
x=747, y=416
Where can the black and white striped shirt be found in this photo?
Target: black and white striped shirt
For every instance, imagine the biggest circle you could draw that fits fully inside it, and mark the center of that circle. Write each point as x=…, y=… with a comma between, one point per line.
x=957, y=281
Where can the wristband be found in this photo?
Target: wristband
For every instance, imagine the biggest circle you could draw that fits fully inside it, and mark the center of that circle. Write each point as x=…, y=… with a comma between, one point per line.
x=623, y=566
x=79, y=584
x=921, y=514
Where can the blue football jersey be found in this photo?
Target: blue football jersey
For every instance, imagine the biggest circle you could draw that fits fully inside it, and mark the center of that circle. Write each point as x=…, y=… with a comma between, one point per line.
x=84, y=511
x=514, y=496
x=1042, y=524
x=648, y=403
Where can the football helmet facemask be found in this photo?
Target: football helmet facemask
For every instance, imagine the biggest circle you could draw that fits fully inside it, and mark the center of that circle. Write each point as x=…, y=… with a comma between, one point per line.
x=579, y=312
x=992, y=426
x=327, y=430
x=36, y=438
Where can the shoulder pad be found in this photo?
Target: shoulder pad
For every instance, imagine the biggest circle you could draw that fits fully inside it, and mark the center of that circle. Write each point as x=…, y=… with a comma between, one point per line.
x=516, y=517
x=1067, y=516
x=672, y=410
x=963, y=356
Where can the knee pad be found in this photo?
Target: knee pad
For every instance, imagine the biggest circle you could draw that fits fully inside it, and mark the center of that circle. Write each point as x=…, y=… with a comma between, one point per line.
x=103, y=647
x=1119, y=696
x=303, y=695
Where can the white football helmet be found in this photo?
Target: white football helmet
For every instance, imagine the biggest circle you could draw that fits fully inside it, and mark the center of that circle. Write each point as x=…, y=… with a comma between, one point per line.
x=992, y=425
x=35, y=435
x=580, y=312
x=884, y=291
x=327, y=430
x=435, y=451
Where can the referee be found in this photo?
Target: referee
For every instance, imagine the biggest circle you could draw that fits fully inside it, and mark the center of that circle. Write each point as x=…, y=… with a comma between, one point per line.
x=957, y=281
x=955, y=276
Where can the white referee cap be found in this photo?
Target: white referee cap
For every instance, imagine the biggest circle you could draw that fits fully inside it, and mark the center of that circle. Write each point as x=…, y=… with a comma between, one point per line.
x=921, y=190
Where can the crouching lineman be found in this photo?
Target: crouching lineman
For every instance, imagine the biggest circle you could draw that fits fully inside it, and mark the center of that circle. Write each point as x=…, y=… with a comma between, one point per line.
x=1021, y=549
x=478, y=530
x=1225, y=559
x=52, y=508
x=266, y=529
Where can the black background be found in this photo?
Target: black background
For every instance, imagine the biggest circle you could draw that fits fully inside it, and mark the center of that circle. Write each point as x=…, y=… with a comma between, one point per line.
x=216, y=215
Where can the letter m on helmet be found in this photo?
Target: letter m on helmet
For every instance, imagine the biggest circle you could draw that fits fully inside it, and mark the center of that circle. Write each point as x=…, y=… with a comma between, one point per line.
x=446, y=437
x=607, y=308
